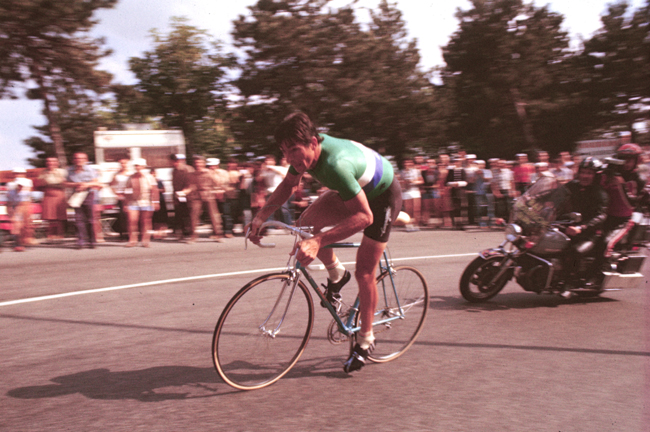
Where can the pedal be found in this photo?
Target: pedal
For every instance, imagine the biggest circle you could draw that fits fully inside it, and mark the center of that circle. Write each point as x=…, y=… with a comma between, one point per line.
x=337, y=303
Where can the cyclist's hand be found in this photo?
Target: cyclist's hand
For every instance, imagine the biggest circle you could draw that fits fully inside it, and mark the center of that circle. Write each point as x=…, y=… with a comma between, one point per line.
x=253, y=229
x=307, y=251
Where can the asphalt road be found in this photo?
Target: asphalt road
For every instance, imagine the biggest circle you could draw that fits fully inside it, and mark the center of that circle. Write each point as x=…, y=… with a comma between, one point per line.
x=118, y=339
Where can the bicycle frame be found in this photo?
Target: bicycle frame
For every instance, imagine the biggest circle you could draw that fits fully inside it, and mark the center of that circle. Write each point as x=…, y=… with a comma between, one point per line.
x=347, y=328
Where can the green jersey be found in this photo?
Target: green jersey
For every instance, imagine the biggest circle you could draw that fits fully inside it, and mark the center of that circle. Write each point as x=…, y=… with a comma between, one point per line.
x=347, y=167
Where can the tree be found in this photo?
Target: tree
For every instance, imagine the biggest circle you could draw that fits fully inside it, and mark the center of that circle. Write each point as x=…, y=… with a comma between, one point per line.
x=358, y=81
x=77, y=116
x=616, y=61
x=181, y=82
x=45, y=42
x=508, y=70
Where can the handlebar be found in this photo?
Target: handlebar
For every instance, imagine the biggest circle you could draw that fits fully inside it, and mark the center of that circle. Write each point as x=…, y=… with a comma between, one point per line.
x=302, y=232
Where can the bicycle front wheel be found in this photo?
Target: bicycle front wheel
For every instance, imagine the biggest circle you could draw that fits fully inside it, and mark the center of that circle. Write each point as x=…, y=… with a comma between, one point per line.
x=403, y=302
x=262, y=332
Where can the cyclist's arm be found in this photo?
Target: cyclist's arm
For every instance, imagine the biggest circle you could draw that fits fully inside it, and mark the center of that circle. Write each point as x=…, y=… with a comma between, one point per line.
x=279, y=196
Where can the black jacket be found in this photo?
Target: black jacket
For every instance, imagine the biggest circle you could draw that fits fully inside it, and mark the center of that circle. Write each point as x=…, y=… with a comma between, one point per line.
x=590, y=202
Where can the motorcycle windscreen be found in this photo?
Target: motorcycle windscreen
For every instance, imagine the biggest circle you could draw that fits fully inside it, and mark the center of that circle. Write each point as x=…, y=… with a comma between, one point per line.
x=536, y=208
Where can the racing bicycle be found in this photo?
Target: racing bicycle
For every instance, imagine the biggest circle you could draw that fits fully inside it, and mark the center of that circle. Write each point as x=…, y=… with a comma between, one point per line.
x=265, y=327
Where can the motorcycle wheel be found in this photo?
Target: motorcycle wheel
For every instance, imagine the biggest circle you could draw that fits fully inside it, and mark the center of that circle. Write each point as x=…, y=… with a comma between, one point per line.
x=473, y=282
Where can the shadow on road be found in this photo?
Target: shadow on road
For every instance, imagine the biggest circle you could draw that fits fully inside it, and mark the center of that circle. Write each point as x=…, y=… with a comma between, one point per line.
x=159, y=384
x=146, y=385
x=507, y=301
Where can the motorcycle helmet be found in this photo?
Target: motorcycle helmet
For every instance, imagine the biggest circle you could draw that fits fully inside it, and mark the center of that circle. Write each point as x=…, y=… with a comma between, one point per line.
x=591, y=163
x=630, y=151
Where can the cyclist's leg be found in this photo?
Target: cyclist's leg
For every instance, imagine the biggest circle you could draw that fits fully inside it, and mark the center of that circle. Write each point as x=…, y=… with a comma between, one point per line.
x=327, y=210
x=368, y=256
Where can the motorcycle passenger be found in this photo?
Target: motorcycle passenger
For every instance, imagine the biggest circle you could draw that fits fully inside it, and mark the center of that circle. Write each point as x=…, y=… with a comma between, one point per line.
x=624, y=187
x=587, y=197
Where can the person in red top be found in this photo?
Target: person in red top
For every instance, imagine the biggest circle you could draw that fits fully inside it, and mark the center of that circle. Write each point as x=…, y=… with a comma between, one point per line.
x=523, y=172
x=623, y=185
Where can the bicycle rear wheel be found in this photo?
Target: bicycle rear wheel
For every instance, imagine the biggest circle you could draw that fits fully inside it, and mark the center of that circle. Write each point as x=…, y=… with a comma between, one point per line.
x=262, y=332
x=408, y=302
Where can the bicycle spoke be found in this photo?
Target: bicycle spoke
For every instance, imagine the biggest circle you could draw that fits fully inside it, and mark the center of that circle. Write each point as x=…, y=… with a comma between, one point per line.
x=403, y=305
x=262, y=332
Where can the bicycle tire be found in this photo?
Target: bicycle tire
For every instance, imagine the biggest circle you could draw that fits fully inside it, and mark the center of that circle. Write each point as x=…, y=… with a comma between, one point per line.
x=245, y=356
x=395, y=337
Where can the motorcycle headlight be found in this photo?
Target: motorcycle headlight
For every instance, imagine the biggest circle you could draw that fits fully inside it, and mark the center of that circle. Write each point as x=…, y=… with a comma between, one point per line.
x=513, y=233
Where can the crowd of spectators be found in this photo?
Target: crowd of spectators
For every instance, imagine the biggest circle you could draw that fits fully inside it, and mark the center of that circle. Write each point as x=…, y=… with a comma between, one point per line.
x=457, y=191
x=452, y=191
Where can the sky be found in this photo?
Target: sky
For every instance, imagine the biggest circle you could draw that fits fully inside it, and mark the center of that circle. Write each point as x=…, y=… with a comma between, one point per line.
x=126, y=31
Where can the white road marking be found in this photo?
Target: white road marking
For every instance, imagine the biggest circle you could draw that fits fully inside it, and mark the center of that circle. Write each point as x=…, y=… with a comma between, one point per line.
x=192, y=278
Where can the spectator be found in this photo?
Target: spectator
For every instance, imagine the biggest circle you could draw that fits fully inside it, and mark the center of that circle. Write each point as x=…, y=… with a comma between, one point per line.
x=503, y=189
x=430, y=186
x=274, y=174
x=411, y=179
x=542, y=156
x=84, y=181
x=420, y=163
x=444, y=204
x=561, y=172
x=576, y=165
x=480, y=193
x=160, y=220
x=142, y=199
x=118, y=184
x=522, y=172
x=488, y=178
x=55, y=206
x=258, y=193
x=245, y=193
x=222, y=179
x=201, y=193
x=470, y=192
x=233, y=192
x=181, y=182
x=456, y=182
x=19, y=200
x=541, y=169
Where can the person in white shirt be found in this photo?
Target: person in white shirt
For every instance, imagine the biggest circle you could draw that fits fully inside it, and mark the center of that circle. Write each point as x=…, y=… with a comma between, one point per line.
x=274, y=174
x=503, y=189
x=19, y=199
x=563, y=174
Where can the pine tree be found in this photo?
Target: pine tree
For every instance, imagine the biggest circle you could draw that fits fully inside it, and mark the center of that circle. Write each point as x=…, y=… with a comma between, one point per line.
x=46, y=42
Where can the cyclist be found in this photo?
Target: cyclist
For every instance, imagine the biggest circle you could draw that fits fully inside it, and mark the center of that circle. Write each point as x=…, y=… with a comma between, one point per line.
x=364, y=194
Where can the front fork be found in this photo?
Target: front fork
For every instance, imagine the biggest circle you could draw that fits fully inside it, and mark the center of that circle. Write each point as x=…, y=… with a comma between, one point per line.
x=504, y=265
x=290, y=286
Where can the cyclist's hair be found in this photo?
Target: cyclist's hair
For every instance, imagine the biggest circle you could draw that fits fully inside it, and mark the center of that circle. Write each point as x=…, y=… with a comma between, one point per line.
x=296, y=128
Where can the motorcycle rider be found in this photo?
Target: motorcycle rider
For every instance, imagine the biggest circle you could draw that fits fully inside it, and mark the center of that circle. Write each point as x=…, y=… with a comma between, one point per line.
x=587, y=197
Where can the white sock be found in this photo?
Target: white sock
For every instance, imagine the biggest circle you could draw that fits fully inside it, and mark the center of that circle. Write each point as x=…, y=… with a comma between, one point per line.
x=335, y=271
x=365, y=340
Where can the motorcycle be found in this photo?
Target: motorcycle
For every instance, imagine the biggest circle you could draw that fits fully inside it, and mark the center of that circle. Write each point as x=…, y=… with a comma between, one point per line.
x=536, y=252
